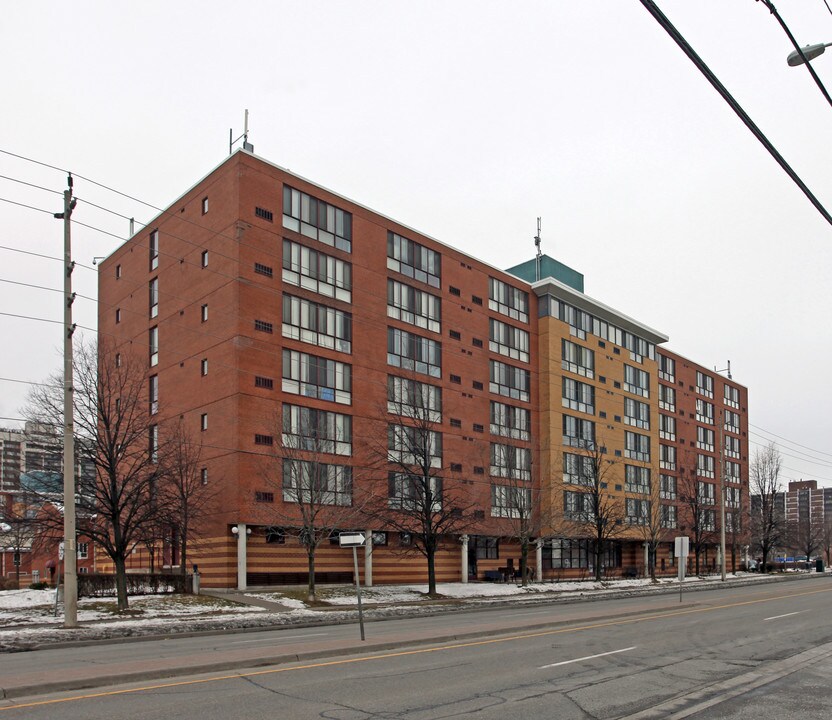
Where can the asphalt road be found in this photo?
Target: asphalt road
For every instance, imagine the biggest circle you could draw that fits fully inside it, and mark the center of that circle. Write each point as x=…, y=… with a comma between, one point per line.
x=761, y=651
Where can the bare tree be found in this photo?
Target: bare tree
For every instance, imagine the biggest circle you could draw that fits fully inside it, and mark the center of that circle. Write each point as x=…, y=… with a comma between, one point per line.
x=424, y=500
x=827, y=537
x=17, y=528
x=653, y=525
x=118, y=436
x=515, y=500
x=316, y=486
x=698, y=505
x=589, y=508
x=808, y=535
x=189, y=498
x=768, y=522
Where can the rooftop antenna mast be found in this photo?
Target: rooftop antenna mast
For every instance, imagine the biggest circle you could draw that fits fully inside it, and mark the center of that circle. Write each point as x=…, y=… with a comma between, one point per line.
x=725, y=370
x=246, y=144
x=538, y=255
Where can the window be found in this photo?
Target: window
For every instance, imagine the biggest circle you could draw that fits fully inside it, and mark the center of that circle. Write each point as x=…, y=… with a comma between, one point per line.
x=508, y=340
x=668, y=487
x=263, y=382
x=406, y=491
x=153, y=393
x=412, y=352
x=455, y=335
x=275, y=536
x=510, y=502
x=636, y=413
x=487, y=548
x=637, y=479
x=477, y=385
x=454, y=291
x=510, y=381
x=667, y=398
x=264, y=270
x=263, y=326
x=414, y=399
x=203, y=421
x=704, y=412
x=413, y=306
x=203, y=367
x=577, y=359
x=316, y=219
x=319, y=431
x=638, y=511
x=636, y=381
x=732, y=422
x=476, y=300
x=455, y=379
x=704, y=384
x=578, y=396
x=204, y=259
x=509, y=421
x=83, y=551
x=732, y=447
x=478, y=428
x=562, y=553
x=706, y=493
x=317, y=324
x=317, y=377
x=316, y=271
x=153, y=443
x=267, y=215
x=263, y=439
x=732, y=497
x=154, y=249
x=668, y=517
x=705, y=439
x=732, y=471
x=203, y=476
x=317, y=483
x=153, y=292
x=511, y=462
x=118, y=360
x=708, y=520
x=578, y=506
x=667, y=457
x=118, y=315
x=732, y=397
x=667, y=427
x=153, y=344
x=508, y=300
x=118, y=272
x=203, y=313
x=263, y=497
x=578, y=469
x=637, y=447
x=578, y=432
x=408, y=445
x=204, y=205
x=667, y=368
x=413, y=260
x=456, y=423
x=476, y=342
x=705, y=465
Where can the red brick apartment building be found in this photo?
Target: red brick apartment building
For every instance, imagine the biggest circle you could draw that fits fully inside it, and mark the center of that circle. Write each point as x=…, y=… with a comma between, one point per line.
x=259, y=297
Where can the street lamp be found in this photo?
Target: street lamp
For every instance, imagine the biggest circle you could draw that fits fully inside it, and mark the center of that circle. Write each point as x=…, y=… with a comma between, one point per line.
x=810, y=52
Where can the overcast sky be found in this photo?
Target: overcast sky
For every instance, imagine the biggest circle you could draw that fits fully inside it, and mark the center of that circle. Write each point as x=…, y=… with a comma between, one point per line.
x=466, y=120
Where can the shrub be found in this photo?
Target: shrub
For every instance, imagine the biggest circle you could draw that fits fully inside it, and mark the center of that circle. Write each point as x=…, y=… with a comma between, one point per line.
x=100, y=585
x=39, y=585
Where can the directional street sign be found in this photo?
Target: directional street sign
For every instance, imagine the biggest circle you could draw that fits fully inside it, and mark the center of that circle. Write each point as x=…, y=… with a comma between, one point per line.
x=351, y=539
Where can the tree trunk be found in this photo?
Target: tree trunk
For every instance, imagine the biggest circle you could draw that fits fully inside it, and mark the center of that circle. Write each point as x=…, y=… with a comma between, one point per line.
x=524, y=561
x=183, y=554
x=431, y=555
x=651, y=560
x=121, y=582
x=598, y=573
x=310, y=591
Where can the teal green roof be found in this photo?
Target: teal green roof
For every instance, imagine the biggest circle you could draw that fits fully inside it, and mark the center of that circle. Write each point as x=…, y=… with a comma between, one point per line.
x=549, y=267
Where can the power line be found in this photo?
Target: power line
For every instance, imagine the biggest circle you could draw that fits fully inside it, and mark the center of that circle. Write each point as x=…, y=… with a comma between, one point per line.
x=41, y=255
x=791, y=442
x=734, y=105
x=29, y=317
x=38, y=187
x=24, y=382
x=43, y=287
x=30, y=207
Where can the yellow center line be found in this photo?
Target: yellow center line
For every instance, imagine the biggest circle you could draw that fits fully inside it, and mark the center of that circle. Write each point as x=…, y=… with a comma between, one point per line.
x=418, y=651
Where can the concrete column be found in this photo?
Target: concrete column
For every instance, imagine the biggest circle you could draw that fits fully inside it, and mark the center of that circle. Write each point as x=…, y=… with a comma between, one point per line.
x=646, y=546
x=368, y=558
x=464, y=564
x=538, y=557
x=242, y=563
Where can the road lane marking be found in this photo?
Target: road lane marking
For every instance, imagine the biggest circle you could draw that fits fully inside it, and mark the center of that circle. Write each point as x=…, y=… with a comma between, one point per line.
x=407, y=653
x=588, y=657
x=777, y=617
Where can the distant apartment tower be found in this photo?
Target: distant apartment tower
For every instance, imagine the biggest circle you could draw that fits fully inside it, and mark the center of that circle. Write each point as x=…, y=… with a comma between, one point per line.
x=259, y=302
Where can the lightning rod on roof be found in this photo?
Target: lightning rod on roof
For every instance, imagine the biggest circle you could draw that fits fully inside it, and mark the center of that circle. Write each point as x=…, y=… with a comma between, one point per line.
x=538, y=255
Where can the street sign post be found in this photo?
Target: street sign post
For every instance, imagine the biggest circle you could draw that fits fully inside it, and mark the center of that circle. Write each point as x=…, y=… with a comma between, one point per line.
x=681, y=550
x=355, y=540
